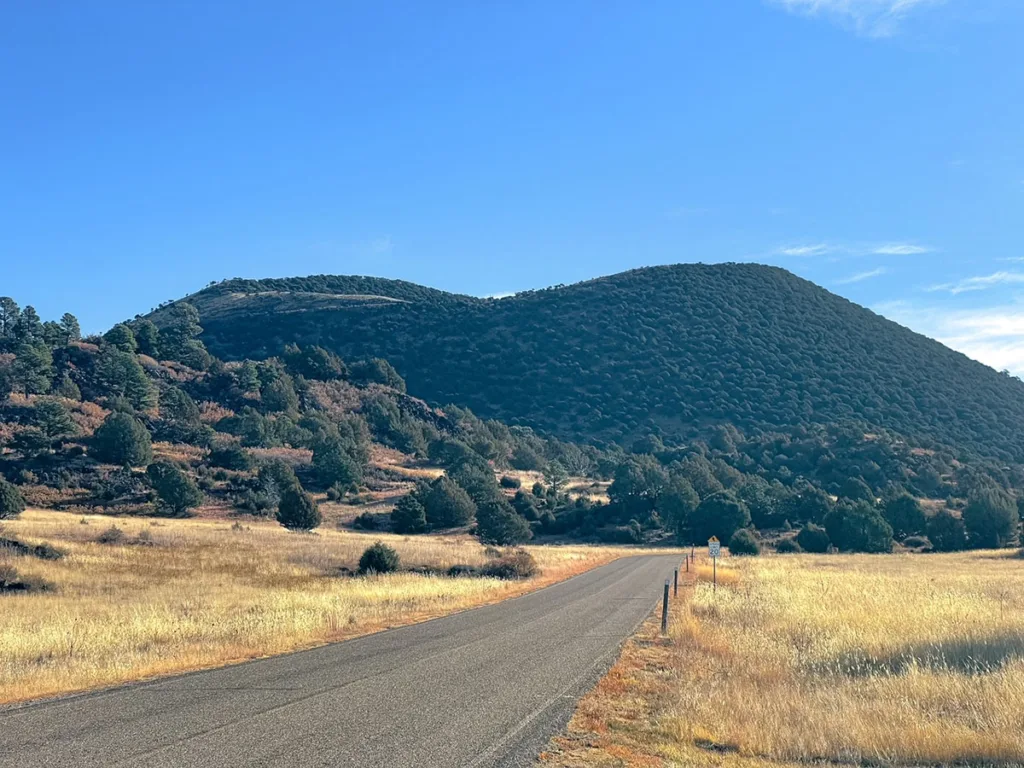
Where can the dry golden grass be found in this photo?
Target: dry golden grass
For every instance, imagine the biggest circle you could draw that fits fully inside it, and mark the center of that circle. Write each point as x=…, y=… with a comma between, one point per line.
x=874, y=660
x=188, y=594
x=182, y=452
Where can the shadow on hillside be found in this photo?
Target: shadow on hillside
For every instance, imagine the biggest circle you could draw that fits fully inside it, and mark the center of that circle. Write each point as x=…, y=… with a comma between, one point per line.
x=970, y=656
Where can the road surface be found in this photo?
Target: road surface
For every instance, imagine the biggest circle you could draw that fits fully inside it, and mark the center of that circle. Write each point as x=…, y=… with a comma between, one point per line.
x=487, y=687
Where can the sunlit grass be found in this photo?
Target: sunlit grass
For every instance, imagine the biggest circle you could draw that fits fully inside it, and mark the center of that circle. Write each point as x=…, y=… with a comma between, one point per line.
x=187, y=594
x=866, y=660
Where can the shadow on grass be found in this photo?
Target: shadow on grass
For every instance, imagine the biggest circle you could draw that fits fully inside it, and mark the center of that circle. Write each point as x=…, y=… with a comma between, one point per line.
x=976, y=656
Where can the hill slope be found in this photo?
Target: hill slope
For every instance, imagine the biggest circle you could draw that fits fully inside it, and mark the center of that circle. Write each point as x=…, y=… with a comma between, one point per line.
x=673, y=350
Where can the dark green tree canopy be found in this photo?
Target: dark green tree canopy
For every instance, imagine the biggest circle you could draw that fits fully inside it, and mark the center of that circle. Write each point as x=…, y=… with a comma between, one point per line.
x=278, y=395
x=176, y=405
x=769, y=503
x=947, y=532
x=10, y=312
x=119, y=374
x=297, y=511
x=179, y=339
x=314, y=362
x=721, y=515
x=334, y=465
x=813, y=538
x=122, y=439
x=409, y=515
x=69, y=325
x=498, y=523
x=446, y=504
x=28, y=329
x=52, y=418
x=377, y=371
x=638, y=484
x=744, y=542
x=11, y=502
x=904, y=514
x=808, y=503
x=991, y=519
x=855, y=489
x=230, y=456
x=676, y=505
x=147, y=336
x=176, y=490
x=32, y=370
x=121, y=337
x=379, y=558
x=858, y=527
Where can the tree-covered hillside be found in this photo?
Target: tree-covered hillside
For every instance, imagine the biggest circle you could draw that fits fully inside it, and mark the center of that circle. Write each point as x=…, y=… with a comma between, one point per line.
x=667, y=351
x=145, y=420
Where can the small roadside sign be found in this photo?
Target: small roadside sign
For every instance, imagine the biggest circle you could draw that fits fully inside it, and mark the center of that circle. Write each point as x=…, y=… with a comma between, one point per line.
x=714, y=548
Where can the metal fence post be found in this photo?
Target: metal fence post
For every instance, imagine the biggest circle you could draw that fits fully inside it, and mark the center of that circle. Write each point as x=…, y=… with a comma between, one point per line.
x=675, y=583
x=664, y=610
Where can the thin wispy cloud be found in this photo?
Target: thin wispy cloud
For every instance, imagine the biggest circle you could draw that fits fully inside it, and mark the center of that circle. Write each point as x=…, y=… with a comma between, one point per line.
x=993, y=335
x=902, y=249
x=819, y=249
x=979, y=283
x=873, y=18
x=854, y=249
x=862, y=276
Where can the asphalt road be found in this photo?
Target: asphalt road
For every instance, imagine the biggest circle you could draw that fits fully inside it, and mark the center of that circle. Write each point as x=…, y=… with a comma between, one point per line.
x=487, y=687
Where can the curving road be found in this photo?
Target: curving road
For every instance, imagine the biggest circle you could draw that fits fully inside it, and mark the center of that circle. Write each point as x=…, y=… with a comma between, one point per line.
x=487, y=687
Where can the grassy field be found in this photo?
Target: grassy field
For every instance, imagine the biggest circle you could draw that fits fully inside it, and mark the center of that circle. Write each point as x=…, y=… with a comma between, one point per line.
x=177, y=595
x=856, y=660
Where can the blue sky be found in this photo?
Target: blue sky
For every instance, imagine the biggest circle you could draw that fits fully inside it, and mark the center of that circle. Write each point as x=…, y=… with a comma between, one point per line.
x=872, y=146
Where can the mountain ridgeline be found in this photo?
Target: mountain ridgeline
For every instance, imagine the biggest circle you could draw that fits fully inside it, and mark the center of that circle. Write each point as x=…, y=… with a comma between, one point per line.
x=672, y=352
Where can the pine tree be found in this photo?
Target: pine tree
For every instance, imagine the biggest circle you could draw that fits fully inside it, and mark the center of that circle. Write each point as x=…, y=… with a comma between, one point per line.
x=447, y=505
x=121, y=337
x=180, y=338
x=498, y=523
x=32, y=369
x=991, y=519
x=247, y=377
x=72, y=330
x=11, y=502
x=177, y=491
x=119, y=374
x=905, y=515
x=334, y=465
x=53, y=335
x=122, y=439
x=147, y=335
x=297, y=511
x=66, y=388
x=29, y=328
x=858, y=527
x=721, y=515
x=53, y=419
x=409, y=516
x=947, y=532
x=9, y=314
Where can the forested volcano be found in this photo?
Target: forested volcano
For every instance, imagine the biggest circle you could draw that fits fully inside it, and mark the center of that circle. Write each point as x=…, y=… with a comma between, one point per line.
x=671, y=351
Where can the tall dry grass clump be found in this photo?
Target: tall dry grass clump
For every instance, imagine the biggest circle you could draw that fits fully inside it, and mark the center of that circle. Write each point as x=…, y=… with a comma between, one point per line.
x=899, y=660
x=168, y=596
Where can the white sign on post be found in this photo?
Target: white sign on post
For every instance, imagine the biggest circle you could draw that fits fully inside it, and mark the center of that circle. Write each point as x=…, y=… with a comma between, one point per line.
x=714, y=548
